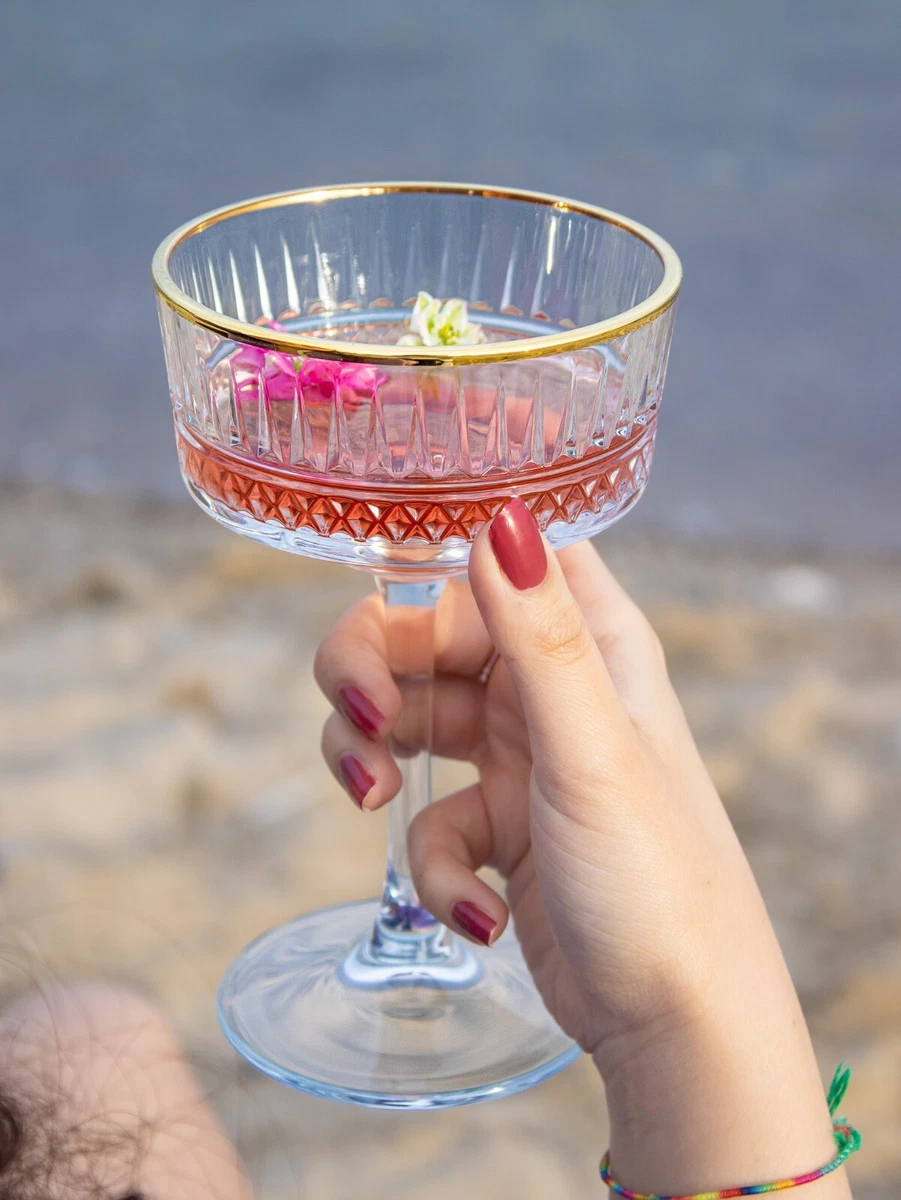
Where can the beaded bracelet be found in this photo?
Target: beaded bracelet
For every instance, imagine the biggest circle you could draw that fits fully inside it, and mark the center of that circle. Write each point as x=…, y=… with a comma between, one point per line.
x=847, y=1141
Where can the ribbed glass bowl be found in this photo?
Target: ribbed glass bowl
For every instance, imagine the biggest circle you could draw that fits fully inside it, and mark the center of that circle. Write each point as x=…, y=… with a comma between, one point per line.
x=301, y=423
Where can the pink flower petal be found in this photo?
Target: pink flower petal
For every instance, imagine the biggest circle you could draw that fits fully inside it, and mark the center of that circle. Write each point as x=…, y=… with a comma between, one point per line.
x=318, y=378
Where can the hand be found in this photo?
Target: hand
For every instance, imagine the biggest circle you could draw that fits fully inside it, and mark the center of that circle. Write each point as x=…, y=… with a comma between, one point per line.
x=635, y=907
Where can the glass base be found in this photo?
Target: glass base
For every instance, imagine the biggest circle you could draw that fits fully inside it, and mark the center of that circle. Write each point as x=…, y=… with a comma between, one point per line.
x=292, y=1005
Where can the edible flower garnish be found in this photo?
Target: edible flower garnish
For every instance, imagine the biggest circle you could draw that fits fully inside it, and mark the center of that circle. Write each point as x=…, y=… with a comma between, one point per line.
x=282, y=375
x=432, y=323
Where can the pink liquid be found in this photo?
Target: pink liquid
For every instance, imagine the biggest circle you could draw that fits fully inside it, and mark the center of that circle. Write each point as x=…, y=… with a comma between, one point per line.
x=427, y=510
x=411, y=456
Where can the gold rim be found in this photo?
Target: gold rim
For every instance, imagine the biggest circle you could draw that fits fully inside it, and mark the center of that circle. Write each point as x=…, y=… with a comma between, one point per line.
x=434, y=356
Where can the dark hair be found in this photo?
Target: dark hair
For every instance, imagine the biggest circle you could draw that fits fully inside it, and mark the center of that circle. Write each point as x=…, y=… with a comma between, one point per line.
x=10, y=1134
x=32, y=1154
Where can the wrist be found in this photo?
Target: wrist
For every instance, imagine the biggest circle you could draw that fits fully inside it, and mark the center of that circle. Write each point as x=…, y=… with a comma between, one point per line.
x=724, y=1091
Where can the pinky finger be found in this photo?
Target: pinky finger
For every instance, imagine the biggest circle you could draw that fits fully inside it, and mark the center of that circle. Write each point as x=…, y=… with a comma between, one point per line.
x=449, y=841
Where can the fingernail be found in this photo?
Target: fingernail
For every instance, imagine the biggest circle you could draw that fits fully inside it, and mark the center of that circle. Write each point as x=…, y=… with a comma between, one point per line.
x=517, y=545
x=360, y=711
x=355, y=778
x=472, y=920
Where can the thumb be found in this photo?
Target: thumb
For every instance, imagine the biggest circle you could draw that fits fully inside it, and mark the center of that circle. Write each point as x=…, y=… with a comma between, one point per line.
x=573, y=712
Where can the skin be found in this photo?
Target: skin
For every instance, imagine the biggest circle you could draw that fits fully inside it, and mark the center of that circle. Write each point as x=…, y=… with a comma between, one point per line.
x=635, y=906
x=106, y=1105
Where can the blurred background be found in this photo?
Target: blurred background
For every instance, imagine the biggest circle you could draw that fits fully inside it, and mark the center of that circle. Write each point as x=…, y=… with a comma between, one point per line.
x=163, y=801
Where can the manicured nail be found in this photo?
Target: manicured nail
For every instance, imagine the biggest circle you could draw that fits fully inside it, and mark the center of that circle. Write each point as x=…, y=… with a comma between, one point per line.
x=517, y=545
x=360, y=711
x=472, y=920
x=355, y=778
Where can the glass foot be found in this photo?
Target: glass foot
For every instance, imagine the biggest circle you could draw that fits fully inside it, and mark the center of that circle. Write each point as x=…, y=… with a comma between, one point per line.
x=423, y=1039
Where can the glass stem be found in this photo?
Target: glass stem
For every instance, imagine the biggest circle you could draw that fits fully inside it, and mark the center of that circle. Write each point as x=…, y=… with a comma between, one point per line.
x=407, y=946
x=404, y=929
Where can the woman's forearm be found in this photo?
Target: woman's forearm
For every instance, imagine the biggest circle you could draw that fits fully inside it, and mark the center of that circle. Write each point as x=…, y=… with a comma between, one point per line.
x=728, y=1095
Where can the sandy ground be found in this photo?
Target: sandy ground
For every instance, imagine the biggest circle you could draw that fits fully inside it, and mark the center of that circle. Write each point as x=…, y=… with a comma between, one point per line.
x=163, y=802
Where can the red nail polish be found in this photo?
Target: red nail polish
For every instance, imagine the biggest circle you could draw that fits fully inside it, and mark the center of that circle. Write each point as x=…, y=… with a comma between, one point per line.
x=517, y=545
x=355, y=778
x=360, y=711
x=472, y=920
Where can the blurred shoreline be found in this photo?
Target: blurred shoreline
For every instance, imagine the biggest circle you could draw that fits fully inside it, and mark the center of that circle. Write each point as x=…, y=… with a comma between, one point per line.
x=98, y=501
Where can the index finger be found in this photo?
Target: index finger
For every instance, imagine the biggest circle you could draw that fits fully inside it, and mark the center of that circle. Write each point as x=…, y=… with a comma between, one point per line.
x=353, y=665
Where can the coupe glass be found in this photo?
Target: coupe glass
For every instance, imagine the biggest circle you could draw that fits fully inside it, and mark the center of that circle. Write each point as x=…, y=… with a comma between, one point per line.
x=301, y=422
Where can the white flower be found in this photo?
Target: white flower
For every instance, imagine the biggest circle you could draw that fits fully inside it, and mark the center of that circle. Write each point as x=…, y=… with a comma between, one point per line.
x=432, y=323
x=424, y=319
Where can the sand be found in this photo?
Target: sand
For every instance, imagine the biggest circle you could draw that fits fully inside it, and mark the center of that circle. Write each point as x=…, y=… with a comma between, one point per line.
x=164, y=802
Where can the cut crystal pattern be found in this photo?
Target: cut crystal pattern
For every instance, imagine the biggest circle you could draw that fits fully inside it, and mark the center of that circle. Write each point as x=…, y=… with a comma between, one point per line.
x=413, y=455
x=602, y=484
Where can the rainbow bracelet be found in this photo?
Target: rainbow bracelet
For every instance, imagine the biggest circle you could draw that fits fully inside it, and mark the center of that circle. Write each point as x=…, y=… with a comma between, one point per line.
x=847, y=1141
